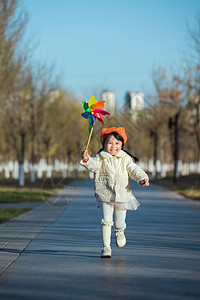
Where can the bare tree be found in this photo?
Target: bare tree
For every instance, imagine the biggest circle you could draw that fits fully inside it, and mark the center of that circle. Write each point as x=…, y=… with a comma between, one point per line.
x=19, y=113
x=12, y=26
x=191, y=81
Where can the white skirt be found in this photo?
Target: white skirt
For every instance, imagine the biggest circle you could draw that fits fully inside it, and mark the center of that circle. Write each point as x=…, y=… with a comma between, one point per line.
x=132, y=204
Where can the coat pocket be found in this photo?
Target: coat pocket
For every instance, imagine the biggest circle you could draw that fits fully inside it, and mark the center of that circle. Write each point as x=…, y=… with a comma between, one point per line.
x=104, y=187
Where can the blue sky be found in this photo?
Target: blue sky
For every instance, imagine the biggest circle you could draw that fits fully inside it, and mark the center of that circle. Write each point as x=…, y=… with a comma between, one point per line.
x=110, y=44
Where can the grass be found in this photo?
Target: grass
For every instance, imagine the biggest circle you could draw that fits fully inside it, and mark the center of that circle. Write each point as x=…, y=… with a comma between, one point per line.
x=188, y=186
x=7, y=214
x=18, y=196
x=10, y=192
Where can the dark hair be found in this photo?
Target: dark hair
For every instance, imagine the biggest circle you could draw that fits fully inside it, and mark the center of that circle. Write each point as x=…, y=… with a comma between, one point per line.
x=119, y=138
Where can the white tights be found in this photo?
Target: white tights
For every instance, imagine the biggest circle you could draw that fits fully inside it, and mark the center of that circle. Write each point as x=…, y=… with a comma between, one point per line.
x=120, y=216
x=107, y=221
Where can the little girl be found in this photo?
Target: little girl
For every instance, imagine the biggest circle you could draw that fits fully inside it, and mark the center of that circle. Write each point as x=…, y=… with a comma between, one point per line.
x=112, y=167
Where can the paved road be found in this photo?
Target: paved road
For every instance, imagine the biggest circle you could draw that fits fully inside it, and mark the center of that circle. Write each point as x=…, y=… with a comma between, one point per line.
x=54, y=253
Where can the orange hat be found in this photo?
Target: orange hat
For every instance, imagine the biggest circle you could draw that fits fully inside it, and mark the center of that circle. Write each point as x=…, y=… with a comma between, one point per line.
x=120, y=130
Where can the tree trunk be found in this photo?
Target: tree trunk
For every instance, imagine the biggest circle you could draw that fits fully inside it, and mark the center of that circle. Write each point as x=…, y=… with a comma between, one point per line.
x=155, y=154
x=21, y=159
x=32, y=170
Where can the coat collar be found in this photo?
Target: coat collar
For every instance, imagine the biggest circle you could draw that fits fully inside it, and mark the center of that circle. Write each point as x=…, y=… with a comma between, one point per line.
x=105, y=154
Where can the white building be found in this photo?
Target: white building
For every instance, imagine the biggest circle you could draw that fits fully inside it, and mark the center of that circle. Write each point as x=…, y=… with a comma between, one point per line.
x=134, y=103
x=109, y=97
x=135, y=100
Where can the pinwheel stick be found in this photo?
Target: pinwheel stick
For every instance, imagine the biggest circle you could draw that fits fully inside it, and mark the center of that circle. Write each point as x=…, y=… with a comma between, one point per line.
x=88, y=142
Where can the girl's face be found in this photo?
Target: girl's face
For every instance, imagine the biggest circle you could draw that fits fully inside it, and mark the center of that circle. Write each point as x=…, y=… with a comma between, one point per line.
x=112, y=145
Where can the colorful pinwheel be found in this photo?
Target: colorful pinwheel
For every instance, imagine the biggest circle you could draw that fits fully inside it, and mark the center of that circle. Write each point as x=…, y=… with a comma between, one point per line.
x=93, y=110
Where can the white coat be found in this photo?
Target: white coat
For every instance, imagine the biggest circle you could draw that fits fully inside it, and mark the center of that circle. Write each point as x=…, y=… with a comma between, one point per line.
x=112, y=175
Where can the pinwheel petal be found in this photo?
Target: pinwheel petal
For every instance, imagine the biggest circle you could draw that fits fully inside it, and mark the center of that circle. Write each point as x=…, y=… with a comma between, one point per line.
x=98, y=105
x=85, y=105
x=86, y=115
x=99, y=117
x=91, y=122
x=89, y=127
x=101, y=111
x=91, y=102
x=92, y=119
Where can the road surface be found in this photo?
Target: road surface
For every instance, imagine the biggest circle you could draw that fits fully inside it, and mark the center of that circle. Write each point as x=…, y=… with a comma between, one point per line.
x=54, y=252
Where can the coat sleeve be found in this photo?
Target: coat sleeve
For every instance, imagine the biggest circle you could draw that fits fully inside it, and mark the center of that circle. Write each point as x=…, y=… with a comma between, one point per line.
x=136, y=172
x=92, y=164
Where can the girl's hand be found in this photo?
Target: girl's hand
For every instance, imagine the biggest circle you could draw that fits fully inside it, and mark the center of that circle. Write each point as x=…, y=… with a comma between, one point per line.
x=85, y=155
x=144, y=182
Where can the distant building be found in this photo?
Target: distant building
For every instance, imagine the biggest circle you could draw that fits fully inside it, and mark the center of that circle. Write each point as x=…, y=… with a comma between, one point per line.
x=135, y=100
x=109, y=97
x=134, y=103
